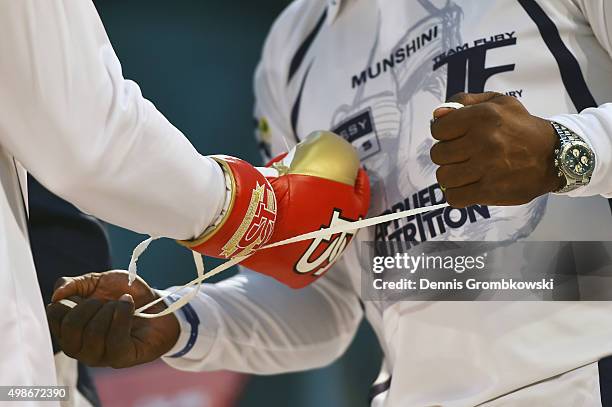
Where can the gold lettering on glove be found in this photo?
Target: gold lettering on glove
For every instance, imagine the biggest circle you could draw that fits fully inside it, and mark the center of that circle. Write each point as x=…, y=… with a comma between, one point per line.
x=256, y=226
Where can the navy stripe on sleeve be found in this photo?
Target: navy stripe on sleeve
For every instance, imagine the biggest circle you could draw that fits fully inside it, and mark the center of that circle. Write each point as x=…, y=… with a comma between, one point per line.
x=297, y=59
x=295, y=110
x=378, y=389
x=571, y=73
x=605, y=381
x=192, y=318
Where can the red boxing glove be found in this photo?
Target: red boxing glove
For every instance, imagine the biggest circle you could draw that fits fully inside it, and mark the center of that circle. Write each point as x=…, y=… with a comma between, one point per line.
x=318, y=184
x=247, y=220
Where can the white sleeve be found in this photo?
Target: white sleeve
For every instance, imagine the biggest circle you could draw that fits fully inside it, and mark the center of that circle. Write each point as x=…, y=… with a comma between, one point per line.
x=86, y=133
x=251, y=323
x=594, y=125
x=599, y=15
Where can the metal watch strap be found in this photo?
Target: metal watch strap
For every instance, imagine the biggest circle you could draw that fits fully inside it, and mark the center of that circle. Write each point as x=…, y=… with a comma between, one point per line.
x=567, y=137
x=565, y=134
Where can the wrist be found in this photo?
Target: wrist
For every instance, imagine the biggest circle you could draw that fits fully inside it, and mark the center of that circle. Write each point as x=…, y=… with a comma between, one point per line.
x=181, y=327
x=172, y=324
x=551, y=180
x=575, y=159
x=247, y=220
x=173, y=331
x=168, y=325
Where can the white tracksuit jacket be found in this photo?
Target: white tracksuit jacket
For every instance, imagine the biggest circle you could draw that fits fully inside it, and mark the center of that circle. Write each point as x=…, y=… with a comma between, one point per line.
x=69, y=117
x=373, y=70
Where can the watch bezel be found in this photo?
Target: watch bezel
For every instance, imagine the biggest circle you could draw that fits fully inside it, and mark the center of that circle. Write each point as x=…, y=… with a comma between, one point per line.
x=568, y=171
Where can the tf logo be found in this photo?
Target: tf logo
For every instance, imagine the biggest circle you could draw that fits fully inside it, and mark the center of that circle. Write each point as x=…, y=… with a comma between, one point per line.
x=467, y=67
x=325, y=250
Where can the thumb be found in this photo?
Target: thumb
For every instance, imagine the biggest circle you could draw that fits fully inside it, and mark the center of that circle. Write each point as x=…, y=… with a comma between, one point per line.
x=468, y=99
x=127, y=298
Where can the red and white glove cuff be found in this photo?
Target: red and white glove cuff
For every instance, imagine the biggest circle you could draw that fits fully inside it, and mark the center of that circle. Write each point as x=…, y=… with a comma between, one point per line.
x=247, y=218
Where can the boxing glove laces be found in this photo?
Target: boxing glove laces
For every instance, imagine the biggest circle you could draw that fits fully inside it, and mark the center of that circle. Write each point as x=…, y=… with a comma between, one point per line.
x=290, y=220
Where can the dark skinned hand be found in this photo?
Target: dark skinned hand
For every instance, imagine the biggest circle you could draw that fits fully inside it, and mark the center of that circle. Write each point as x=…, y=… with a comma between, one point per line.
x=102, y=330
x=493, y=152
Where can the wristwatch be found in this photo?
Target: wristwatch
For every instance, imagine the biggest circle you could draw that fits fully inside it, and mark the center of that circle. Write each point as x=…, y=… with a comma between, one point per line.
x=574, y=159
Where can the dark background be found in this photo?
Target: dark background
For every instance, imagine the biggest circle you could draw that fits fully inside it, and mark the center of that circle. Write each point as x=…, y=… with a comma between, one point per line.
x=195, y=61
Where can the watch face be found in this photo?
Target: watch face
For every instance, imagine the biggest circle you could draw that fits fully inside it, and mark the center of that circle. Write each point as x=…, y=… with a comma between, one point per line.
x=578, y=160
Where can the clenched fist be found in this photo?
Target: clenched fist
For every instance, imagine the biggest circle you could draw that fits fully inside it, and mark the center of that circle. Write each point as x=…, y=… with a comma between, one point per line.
x=493, y=152
x=101, y=329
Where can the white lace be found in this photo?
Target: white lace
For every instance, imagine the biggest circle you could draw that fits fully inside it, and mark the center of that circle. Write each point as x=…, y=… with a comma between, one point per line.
x=199, y=262
x=353, y=226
